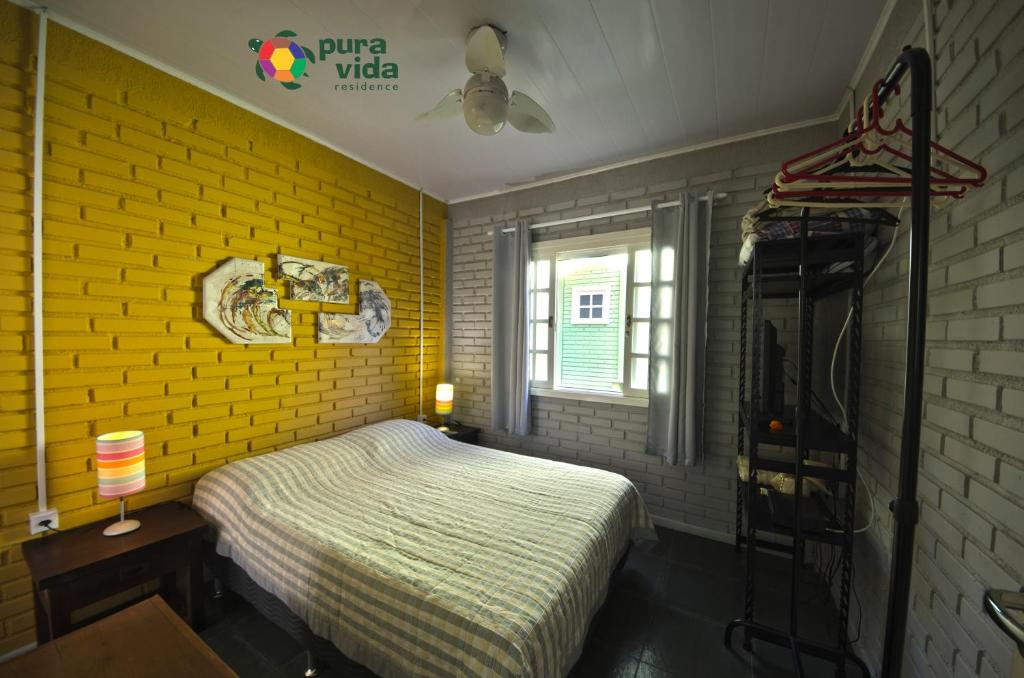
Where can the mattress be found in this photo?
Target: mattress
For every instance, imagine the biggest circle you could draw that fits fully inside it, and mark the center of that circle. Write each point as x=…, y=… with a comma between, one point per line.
x=828, y=223
x=418, y=555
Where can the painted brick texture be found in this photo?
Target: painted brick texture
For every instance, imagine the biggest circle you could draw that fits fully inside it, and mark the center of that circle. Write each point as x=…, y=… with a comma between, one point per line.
x=149, y=184
x=971, y=535
x=608, y=436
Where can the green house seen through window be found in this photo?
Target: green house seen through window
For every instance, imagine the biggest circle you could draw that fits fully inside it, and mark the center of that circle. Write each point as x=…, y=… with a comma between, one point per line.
x=590, y=315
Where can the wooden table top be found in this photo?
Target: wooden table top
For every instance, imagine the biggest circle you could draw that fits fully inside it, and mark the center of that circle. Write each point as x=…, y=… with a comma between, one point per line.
x=65, y=552
x=146, y=639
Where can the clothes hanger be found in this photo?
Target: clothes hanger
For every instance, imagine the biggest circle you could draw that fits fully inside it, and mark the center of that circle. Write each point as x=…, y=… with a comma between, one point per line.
x=885, y=179
x=868, y=138
x=976, y=174
x=827, y=174
x=776, y=201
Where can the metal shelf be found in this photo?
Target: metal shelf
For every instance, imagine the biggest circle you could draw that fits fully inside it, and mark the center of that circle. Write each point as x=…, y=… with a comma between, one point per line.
x=760, y=515
x=807, y=269
x=829, y=473
x=780, y=270
x=822, y=435
x=787, y=285
x=823, y=252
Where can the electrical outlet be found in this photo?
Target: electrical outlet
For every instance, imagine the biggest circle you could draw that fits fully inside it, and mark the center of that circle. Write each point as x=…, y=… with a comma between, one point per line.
x=35, y=520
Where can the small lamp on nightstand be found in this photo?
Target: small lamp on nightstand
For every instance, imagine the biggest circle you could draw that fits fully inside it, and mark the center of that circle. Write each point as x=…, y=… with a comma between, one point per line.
x=120, y=471
x=443, y=397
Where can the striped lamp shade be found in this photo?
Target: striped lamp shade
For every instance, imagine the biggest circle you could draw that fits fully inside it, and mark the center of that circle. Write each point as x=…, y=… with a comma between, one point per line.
x=443, y=397
x=121, y=463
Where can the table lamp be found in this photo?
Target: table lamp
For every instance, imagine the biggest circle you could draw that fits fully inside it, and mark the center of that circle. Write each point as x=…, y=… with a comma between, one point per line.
x=443, y=397
x=120, y=471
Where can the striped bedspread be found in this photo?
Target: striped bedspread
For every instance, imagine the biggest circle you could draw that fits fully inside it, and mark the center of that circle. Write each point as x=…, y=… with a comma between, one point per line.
x=421, y=556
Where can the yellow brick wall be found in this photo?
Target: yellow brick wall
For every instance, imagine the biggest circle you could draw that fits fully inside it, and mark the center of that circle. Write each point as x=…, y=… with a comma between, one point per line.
x=150, y=183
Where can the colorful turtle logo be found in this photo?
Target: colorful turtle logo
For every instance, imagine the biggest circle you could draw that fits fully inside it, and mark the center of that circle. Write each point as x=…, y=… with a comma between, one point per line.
x=282, y=59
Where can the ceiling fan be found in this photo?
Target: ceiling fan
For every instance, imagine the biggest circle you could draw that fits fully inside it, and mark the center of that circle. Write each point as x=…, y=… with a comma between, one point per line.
x=484, y=100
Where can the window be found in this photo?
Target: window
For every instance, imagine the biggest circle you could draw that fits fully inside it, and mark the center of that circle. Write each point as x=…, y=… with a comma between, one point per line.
x=590, y=323
x=590, y=305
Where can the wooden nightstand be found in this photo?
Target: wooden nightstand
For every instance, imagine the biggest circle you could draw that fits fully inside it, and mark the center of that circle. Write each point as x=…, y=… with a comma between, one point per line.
x=76, y=568
x=464, y=434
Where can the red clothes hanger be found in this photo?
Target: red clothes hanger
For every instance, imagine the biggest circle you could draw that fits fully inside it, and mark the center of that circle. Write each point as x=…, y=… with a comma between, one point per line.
x=807, y=172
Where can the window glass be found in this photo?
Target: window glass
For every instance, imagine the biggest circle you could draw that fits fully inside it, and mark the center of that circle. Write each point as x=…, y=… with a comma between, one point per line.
x=638, y=373
x=642, y=266
x=543, y=268
x=540, y=336
x=540, y=306
x=641, y=337
x=668, y=256
x=540, y=366
x=590, y=339
x=589, y=301
x=599, y=299
x=664, y=302
x=642, y=302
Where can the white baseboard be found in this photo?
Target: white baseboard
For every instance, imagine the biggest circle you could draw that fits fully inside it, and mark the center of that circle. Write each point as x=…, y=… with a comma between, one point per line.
x=18, y=651
x=695, y=530
x=724, y=537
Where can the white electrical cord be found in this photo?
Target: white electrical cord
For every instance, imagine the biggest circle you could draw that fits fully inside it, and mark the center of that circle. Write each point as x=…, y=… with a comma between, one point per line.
x=37, y=265
x=871, y=506
x=419, y=390
x=849, y=315
x=835, y=354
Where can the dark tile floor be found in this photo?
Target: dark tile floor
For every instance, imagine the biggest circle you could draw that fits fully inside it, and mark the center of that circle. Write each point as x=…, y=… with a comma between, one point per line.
x=665, y=616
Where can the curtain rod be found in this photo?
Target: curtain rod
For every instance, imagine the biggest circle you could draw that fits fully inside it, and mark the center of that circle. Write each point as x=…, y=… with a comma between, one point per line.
x=605, y=215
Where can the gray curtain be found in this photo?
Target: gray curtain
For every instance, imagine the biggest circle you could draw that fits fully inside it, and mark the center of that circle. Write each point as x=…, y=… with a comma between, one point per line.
x=510, y=376
x=679, y=296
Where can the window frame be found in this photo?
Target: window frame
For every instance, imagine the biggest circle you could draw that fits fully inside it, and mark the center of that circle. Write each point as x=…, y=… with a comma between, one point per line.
x=629, y=242
x=576, y=313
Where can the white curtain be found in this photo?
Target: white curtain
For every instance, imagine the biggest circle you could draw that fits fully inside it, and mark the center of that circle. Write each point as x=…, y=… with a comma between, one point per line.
x=679, y=296
x=510, y=378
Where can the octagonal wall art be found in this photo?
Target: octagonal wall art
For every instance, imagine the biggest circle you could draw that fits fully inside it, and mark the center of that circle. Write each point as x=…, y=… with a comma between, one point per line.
x=239, y=305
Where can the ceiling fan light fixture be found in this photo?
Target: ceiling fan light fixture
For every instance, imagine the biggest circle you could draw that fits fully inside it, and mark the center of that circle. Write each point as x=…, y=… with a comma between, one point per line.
x=485, y=105
x=485, y=102
x=483, y=119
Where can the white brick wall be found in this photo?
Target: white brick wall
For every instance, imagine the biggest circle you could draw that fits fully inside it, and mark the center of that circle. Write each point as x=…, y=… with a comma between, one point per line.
x=971, y=535
x=971, y=482
x=609, y=436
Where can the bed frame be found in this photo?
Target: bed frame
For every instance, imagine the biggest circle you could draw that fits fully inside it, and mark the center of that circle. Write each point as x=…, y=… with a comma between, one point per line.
x=320, y=651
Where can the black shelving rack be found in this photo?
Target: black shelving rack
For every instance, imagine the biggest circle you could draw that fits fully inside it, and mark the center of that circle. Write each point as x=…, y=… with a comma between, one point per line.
x=807, y=269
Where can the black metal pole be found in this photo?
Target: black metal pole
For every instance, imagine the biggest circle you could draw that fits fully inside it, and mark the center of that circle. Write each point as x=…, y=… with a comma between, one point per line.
x=904, y=507
x=803, y=411
x=889, y=83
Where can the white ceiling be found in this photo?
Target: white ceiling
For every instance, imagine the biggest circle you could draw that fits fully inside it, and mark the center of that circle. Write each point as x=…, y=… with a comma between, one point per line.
x=621, y=78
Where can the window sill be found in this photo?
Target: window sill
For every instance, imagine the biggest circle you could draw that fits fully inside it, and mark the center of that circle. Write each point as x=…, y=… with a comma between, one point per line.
x=589, y=397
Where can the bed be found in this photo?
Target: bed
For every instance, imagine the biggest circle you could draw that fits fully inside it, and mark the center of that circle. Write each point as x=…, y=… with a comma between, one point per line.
x=417, y=555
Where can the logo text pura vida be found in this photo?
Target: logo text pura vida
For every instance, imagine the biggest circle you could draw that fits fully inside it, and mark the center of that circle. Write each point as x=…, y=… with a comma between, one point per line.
x=366, y=62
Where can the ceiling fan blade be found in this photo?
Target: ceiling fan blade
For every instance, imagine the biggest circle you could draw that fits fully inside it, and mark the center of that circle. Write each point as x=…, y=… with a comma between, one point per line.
x=484, y=53
x=526, y=115
x=449, y=106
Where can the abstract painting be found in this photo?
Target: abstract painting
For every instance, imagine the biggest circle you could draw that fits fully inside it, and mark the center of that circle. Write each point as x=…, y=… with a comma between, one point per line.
x=238, y=304
x=311, y=280
x=367, y=327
